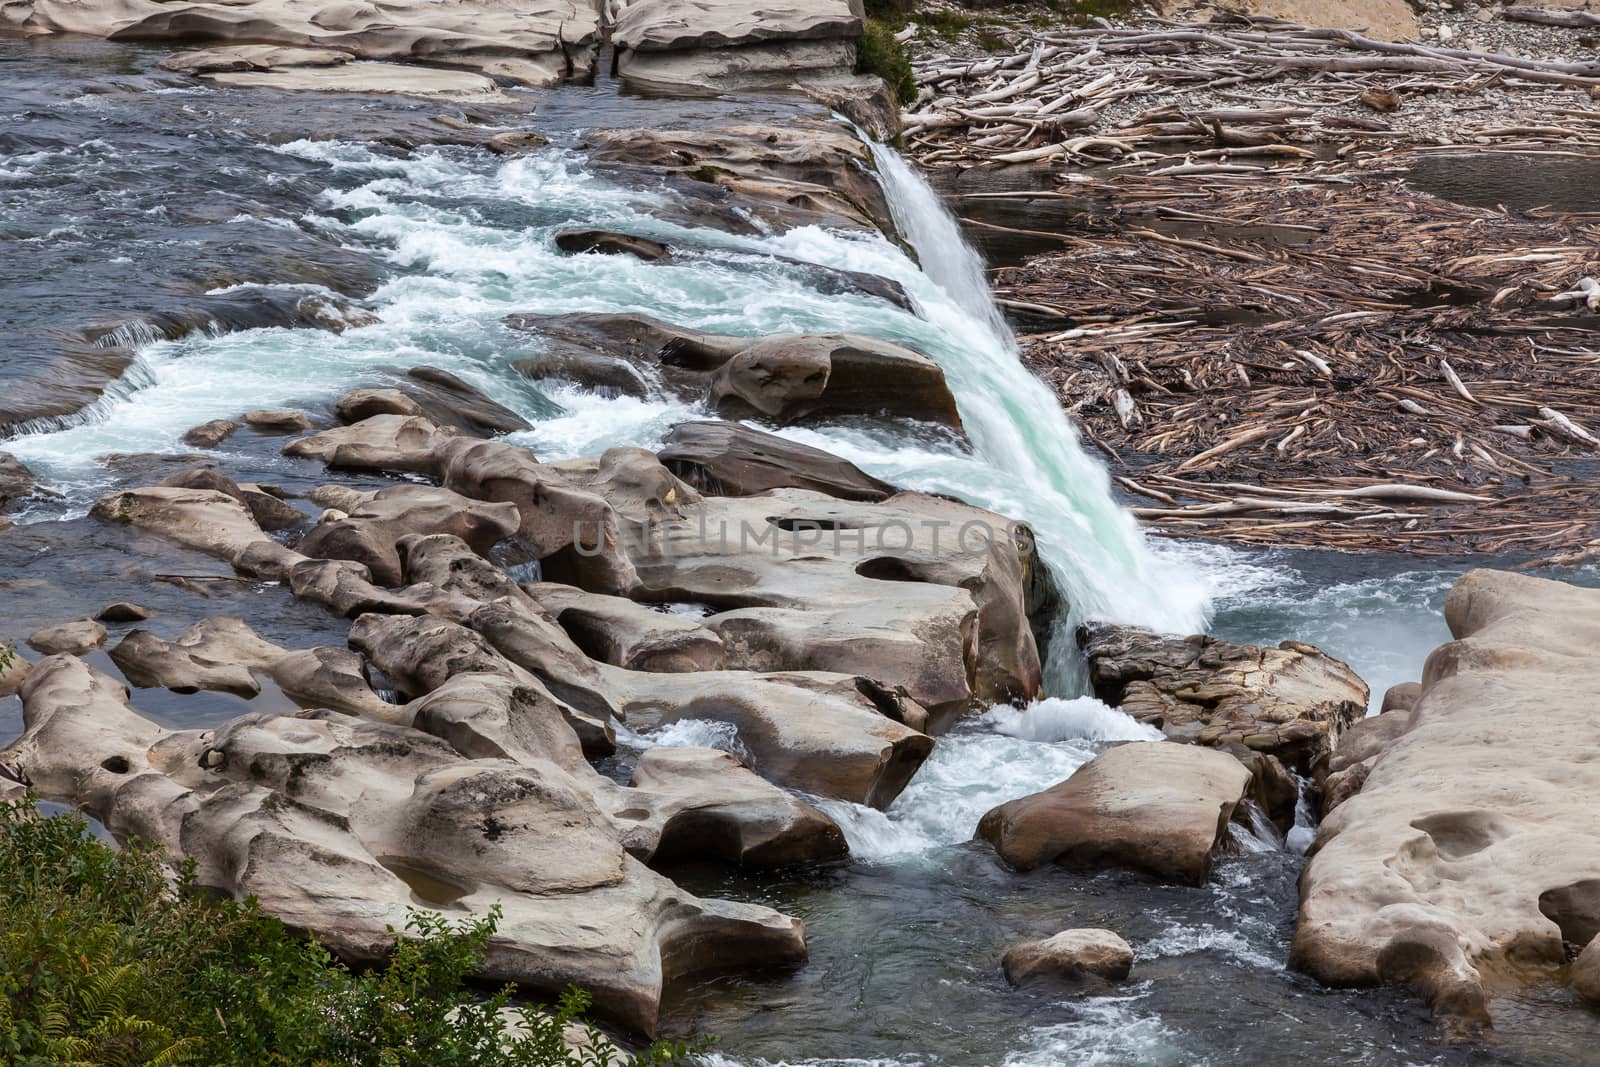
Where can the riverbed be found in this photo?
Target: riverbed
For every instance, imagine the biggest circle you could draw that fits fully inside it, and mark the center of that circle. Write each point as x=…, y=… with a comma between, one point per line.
x=124, y=191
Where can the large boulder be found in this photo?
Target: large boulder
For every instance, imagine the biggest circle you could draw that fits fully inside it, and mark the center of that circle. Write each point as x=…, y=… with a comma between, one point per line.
x=368, y=534
x=1292, y=701
x=341, y=825
x=1074, y=957
x=1469, y=862
x=782, y=378
x=1154, y=806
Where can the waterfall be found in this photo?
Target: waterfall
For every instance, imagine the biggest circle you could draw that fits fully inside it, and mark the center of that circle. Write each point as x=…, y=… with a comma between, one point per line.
x=1092, y=545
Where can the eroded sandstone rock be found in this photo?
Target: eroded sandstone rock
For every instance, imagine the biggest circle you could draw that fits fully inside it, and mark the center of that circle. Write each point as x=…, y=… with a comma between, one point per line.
x=784, y=378
x=1292, y=701
x=1470, y=854
x=1075, y=957
x=693, y=45
x=535, y=42
x=731, y=459
x=623, y=633
x=1155, y=806
x=339, y=825
x=16, y=482
x=800, y=174
x=74, y=638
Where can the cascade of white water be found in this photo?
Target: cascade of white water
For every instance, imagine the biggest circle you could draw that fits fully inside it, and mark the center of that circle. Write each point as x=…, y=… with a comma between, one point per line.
x=1018, y=427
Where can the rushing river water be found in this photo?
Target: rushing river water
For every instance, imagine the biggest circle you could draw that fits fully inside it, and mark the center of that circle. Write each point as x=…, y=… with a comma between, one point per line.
x=123, y=192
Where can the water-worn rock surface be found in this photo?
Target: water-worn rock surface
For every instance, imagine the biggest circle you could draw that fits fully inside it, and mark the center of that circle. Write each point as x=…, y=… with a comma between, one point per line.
x=1154, y=806
x=1468, y=864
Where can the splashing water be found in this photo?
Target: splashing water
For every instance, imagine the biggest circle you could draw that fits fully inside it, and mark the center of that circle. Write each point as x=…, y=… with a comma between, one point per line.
x=1092, y=545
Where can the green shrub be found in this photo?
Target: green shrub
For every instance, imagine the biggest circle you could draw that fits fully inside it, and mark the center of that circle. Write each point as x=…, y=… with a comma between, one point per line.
x=104, y=961
x=879, y=53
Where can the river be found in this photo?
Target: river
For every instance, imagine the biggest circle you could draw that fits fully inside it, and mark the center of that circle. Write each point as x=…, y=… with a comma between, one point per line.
x=123, y=191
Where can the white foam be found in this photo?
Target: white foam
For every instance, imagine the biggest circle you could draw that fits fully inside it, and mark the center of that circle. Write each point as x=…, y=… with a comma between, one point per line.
x=1183, y=940
x=1078, y=719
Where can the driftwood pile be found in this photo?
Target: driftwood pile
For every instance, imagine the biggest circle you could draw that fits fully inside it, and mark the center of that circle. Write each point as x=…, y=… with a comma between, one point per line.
x=1238, y=97
x=1338, y=363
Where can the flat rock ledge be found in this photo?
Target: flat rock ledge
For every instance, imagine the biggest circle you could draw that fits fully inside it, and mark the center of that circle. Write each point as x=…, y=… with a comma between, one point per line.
x=692, y=46
x=1468, y=864
x=320, y=44
x=1153, y=806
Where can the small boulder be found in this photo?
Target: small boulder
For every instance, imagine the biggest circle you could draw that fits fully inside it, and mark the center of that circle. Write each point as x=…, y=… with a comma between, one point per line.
x=449, y=401
x=70, y=638
x=1155, y=806
x=360, y=404
x=277, y=420
x=122, y=611
x=1074, y=956
x=211, y=434
x=609, y=242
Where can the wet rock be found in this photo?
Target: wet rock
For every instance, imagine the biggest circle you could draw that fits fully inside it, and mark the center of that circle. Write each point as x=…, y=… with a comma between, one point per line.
x=783, y=377
x=16, y=482
x=185, y=666
x=1470, y=855
x=609, y=242
x=368, y=534
x=449, y=401
x=921, y=594
x=366, y=77
x=277, y=420
x=696, y=45
x=72, y=638
x=818, y=733
x=866, y=100
x=123, y=611
x=272, y=806
x=252, y=57
x=618, y=631
x=704, y=805
x=1292, y=701
x=1155, y=806
x=730, y=459
x=211, y=434
x=206, y=520
x=269, y=511
x=360, y=404
x=800, y=174
x=1075, y=957
x=1585, y=980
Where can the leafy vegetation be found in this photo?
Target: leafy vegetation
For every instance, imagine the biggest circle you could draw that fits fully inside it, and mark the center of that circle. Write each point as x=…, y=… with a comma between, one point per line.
x=104, y=961
x=879, y=53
